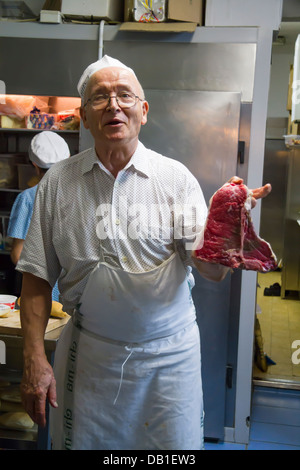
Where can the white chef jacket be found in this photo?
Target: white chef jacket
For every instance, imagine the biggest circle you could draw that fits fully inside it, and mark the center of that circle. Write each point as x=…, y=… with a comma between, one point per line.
x=153, y=207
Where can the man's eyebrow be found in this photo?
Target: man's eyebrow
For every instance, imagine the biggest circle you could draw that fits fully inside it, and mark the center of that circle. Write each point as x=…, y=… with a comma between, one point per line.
x=103, y=89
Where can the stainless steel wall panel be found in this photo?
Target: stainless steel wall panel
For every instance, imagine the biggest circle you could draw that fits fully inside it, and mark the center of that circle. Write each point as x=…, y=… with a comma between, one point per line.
x=200, y=129
x=273, y=206
x=290, y=279
x=44, y=66
x=175, y=66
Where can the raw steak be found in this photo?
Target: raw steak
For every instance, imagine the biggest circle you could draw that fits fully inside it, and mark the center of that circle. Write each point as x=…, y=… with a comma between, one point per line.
x=229, y=237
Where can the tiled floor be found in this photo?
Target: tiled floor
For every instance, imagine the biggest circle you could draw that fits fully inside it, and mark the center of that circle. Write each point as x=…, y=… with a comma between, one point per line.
x=275, y=419
x=274, y=423
x=280, y=325
x=275, y=413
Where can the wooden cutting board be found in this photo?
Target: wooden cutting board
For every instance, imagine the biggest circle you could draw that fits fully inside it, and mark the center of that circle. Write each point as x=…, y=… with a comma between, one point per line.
x=11, y=325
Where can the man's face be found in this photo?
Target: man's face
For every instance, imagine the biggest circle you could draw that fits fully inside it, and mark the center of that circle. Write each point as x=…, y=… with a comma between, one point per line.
x=114, y=125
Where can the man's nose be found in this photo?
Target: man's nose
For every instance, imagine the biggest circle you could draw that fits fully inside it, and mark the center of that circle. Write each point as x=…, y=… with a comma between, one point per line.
x=113, y=102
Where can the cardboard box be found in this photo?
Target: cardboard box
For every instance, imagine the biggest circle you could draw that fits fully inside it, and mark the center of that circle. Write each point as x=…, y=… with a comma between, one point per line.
x=110, y=10
x=50, y=16
x=141, y=11
x=293, y=126
x=174, y=27
x=166, y=11
x=186, y=10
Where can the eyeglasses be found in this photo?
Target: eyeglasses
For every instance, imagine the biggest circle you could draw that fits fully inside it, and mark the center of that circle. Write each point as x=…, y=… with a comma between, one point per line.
x=125, y=100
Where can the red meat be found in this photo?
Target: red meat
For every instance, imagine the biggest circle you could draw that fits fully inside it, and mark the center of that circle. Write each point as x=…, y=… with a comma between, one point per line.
x=229, y=237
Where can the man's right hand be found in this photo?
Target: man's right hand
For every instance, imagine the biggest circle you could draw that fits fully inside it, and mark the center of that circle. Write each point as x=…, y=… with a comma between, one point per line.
x=38, y=384
x=38, y=381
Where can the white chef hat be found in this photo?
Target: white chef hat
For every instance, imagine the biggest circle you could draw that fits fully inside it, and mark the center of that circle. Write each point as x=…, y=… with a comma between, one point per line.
x=47, y=148
x=105, y=62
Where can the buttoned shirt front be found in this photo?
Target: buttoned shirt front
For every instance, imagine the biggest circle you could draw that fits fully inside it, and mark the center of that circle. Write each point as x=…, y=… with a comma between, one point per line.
x=83, y=215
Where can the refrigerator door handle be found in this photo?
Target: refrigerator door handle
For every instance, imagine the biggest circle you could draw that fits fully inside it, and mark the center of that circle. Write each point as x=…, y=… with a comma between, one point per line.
x=241, y=152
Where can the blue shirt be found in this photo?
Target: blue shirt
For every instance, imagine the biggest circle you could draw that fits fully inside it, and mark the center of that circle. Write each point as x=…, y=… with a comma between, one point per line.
x=20, y=218
x=21, y=213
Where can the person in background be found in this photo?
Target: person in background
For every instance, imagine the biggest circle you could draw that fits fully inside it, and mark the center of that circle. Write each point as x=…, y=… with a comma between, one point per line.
x=46, y=149
x=115, y=224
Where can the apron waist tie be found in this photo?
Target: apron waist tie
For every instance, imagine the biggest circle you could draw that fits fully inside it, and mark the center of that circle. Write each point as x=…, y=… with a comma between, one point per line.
x=76, y=320
x=77, y=323
x=122, y=371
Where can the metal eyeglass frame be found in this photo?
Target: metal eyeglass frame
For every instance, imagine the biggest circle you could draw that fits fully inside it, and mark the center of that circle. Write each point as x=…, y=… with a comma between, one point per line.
x=109, y=97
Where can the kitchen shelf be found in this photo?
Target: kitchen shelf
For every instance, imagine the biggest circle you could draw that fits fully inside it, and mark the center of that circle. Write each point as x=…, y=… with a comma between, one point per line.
x=11, y=190
x=90, y=32
x=13, y=438
x=35, y=438
x=58, y=131
x=16, y=141
x=18, y=440
x=49, y=31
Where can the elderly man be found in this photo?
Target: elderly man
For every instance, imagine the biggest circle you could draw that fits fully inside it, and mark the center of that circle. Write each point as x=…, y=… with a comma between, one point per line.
x=114, y=224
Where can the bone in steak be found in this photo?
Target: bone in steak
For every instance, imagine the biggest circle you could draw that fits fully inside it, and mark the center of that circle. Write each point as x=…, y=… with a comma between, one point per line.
x=229, y=237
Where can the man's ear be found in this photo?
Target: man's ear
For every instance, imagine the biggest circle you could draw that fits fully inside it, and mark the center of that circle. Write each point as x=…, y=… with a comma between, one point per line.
x=145, y=109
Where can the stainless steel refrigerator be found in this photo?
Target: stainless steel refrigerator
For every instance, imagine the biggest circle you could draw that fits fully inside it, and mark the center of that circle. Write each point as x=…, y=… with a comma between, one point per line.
x=201, y=129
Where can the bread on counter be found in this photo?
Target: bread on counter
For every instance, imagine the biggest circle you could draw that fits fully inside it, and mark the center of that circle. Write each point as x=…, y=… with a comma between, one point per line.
x=12, y=413
x=18, y=420
x=56, y=309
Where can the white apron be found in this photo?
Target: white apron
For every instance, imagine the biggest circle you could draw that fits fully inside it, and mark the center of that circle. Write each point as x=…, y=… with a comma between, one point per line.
x=128, y=365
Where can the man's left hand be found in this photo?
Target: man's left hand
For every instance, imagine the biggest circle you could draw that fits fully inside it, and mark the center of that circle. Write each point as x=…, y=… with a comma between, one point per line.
x=258, y=193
